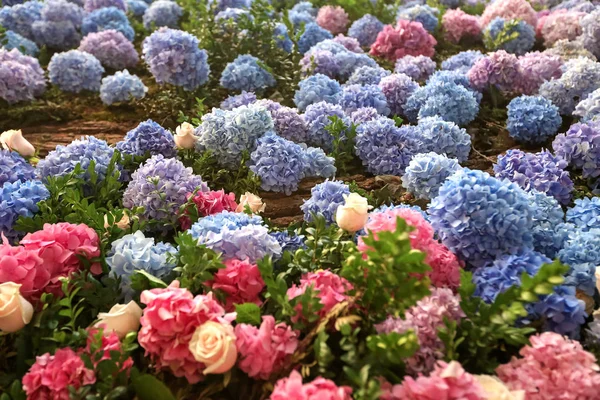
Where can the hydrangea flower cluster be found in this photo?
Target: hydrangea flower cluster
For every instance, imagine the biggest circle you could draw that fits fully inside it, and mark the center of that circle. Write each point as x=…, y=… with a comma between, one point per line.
x=58, y=26
x=509, y=10
x=426, y=15
x=122, y=87
x=588, y=109
x=591, y=32
x=242, y=99
x=363, y=115
x=458, y=24
x=325, y=198
x=320, y=388
x=312, y=35
x=407, y=38
x=148, y=138
x=328, y=287
x=426, y=172
x=136, y=8
x=418, y=68
x=289, y=242
x=354, y=97
x=333, y=18
x=315, y=89
x=21, y=77
x=549, y=229
x=397, y=88
x=209, y=203
x=560, y=24
x=12, y=40
x=174, y=57
x=300, y=18
x=14, y=168
x=232, y=15
x=318, y=164
x=457, y=78
x=289, y=124
x=240, y=281
x=75, y=71
x=333, y=59
x=162, y=13
x=91, y=5
x=463, y=61
x=536, y=68
x=532, y=119
x=499, y=69
x=585, y=214
x=19, y=199
x=581, y=247
x=20, y=17
x=580, y=148
x=367, y=75
x=317, y=118
x=107, y=18
x=570, y=50
x=217, y=222
x=111, y=48
x=245, y=73
x=437, y=135
x=282, y=38
x=365, y=29
x=516, y=37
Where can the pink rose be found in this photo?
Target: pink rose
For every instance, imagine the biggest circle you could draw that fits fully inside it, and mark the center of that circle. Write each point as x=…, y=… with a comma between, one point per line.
x=15, y=311
x=213, y=344
x=241, y=281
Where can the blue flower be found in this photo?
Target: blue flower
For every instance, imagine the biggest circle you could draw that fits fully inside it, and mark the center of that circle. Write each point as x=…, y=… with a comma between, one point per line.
x=280, y=33
x=580, y=148
x=107, y=18
x=148, y=137
x=462, y=62
x=426, y=173
x=521, y=44
x=14, y=168
x=289, y=124
x=242, y=99
x=397, y=88
x=279, y=163
x=12, y=40
x=418, y=68
x=562, y=312
x=442, y=137
x=334, y=60
x=457, y=78
x=318, y=164
x=426, y=15
x=312, y=35
x=111, y=48
x=325, y=198
x=582, y=247
x=19, y=199
x=480, y=218
x=367, y=75
x=91, y=5
x=588, y=109
x=245, y=73
x=305, y=7
x=299, y=19
x=532, y=119
x=164, y=51
x=122, y=87
x=289, y=242
x=75, y=71
x=357, y=96
x=162, y=13
x=317, y=118
x=317, y=88
x=585, y=214
x=58, y=27
x=161, y=185
x=135, y=252
x=226, y=219
x=549, y=229
x=365, y=29
x=21, y=77
x=20, y=17
x=136, y=8
x=225, y=4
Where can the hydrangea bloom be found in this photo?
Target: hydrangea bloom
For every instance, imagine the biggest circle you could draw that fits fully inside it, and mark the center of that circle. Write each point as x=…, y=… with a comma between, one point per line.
x=328, y=287
x=136, y=8
x=397, y=88
x=312, y=35
x=499, y=69
x=454, y=77
x=532, y=119
x=148, y=137
x=367, y=75
x=588, y=109
x=14, y=168
x=318, y=164
x=364, y=114
x=240, y=281
x=162, y=13
x=19, y=199
x=12, y=40
x=333, y=18
x=107, y=18
x=289, y=242
x=161, y=186
x=122, y=87
x=91, y=5
x=426, y=173
x=20, y=17
x=585, y=214
x=549, y=230
x=354, y=97
x=245, y=73
x=317, y=118
x=306, y=7
x=590, y=28
x=426, y=15
x=320, y=388
x=462, y=62
x=299, y=19
x=442, y=137
x=165, y=51
x=289, y=124
x=242, y=99
x=509, y=9
x=334, y=60
x=480, y=217
x=280, y=33
x=520, y=44
x=112, y=49
x=536, y=68
x=75, y=71
x=581, y=247
x=217, y=222
x=458, y=24
x=21, y=77
x=580, y=148
x=58, y=27
x=418, y=68
x=407, y=38
x=325, y=198
x=365, y=29
x=570, y=50
x=316, y=88
x=561, y=24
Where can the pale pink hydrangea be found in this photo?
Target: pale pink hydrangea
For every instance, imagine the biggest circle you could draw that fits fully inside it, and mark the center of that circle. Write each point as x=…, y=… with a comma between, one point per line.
x=292, y=388
x=266, y=349
x=509, y=9
x=541, y=20
x=553, y=367
x=536, y=68
x=240, y=281
x=458, y=24
x=499, y=69
x=348, y=42
x=408, y=38
x=561, y=24
x=333, y=18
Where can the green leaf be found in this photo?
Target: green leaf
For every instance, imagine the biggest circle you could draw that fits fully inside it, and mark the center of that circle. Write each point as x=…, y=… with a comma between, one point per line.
x=148, y=387
x=153, y=281
x=248, y=313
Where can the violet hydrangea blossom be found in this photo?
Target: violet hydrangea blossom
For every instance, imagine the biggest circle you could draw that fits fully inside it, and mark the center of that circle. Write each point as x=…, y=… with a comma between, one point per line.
x=21, y=77
x=246, y=73
x=107, y=18
x=365, y=29
x=112, y=48
x=122, y=87
x=13, y=167
x=148, y=137
x=162, y=13
x=75, y=71
x=397, y=88
x=418, y=68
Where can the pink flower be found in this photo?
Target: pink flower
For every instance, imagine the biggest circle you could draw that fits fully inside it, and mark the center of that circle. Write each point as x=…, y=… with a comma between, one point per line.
x=110, y=342
x=407, y=38
x=320, y=389
x=458, y=24
x=536, y=68
x=50, y=376
x=264, y=350
x=561, y=24
x=333, y=18
x=169, y=321
x=241, y=282
x=329, y=287
x=553, y=367
x=24, y=267
x=210, y=203
x=509, y=9
x=445, y=266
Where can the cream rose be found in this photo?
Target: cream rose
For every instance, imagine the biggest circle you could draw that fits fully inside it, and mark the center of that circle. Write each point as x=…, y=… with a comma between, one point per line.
x=497, y=390
x=121, y=319
x=598, y=277
x=14, y=140
x=122, y=224
x=15, y=311
x=353, y=215
x=253, y=201
x=213, y=344
x=184, y=138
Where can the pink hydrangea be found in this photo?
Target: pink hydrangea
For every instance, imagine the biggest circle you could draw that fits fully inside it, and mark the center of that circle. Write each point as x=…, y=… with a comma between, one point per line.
x=408, y=38
x=110, y=342
x=331, y=289
x=264, y=350
x=536, y=68
x=241, y=282
x=499, y=69
x=509, y=9
x=553, y=367
x=561, y=24
x=292, y=388
x=348, y=42
x=458, y=24
x=541, y=20
x=333, y=18
x=170, y=318
x=50, y=376
x=424, y=318
x=445, y=266
x=209, y=203
x=25, y=267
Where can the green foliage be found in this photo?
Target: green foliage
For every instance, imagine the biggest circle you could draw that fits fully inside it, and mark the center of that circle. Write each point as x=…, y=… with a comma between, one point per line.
x=237, y=180
x=142, y=280
x=343, y=143
x=248, y=313
x=148, y=387
x=197, y=111
x=196, y=264
x=508, y=33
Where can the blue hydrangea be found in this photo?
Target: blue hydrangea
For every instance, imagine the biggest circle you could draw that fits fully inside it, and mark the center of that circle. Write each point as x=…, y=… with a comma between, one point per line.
x=289, y=242
x=75, y=71
x=64, y=159
x=442, y=137
x=21, y=77
x=455, y=78
x=418, y=68
x=136, y=8
x=221, y=5
x=325, y=198
x=397, y=88
x=582, y=277
x=521, y=44
x=111, y=48
x=161, y=186
x=91, y=5
x=305, y=7
x=480, y=218
x=298, y=19
x=162, y=13
x=20, y=17
x=364, y=114
x=562, y=312
x=232, y=15
x=136, y=252
x=148, y=137
x=532, y=119
x=414, y=207
x=426, y=173
x=14, y=168
x=122, y=87
x=279, y=163
x=228, y=134
x=334, y=60
x=365, y=30
x=426, y=15
x=19, y=199
x=588, y=109
x=107, y=18
x=318, y=164
x=12, y=40
x=582, y=247
x=226, y=219
x=462, y=62
x=549, y=229
x=585, y=214
x=164, y=52
x=367, y=75
x=282, y=38
x=12, y=2
x=317, y=117
x=580, y=148
x=58, y=27
x=315, y=89
x=238, y=100
x=312, y=35
x=245, y=73
x=354, y=97
x=384, y=148
x=289, y=124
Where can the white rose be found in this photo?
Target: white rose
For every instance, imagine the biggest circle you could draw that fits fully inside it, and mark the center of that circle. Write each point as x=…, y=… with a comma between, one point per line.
x=121, y=319
x=14, y=140
x=15, y=311
x=213, y=344
x=253, y=201
x=122, y=224
x=497, y=390
x=184, y=138
x=353, y=215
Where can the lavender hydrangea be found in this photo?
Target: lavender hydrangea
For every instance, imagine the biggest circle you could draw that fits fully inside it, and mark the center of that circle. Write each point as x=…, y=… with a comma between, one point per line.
x=498, y=69
x=364, y=114
x=312, y=35
x=334, y=60
x=20, y=17
x=315, y=89
x=426, y=173
x=21, y=77
x=14, y=168
x=367, y=75
x=318, y=164
x=173, y=57
x=242, y=99
x=365, y=29
x=580, y=148
x=148, y=138
x=161, y=186
x=532, y=119
x=590, y=32
x=75, y=71
x=480, y=218
x=325, y=198
x=246, y=73
x=58, y=26
x=418, y=68
x=162, y=13
x=107, y=18
x=585, y=214
x=111, y=48
x=91, y=5
x=354, y=97
x=588, y=109
x=289, y=124
x=549, y=229
x=317, y=117
x=19, y=199
x=462, y=62
x=12, y=40
x=121, y=87
x=443, y=137
x=136, y=8
x=426, y=15
x=499, y=35
x=397, y=88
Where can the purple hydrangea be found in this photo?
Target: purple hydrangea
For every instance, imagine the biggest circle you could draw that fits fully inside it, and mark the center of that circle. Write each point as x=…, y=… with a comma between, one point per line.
x=349, y=43
x=91, y=5
x=289, y=124
x=590, y=29
x=325, y=198
x=121, y=87
x=549, y=229
x=174, y=57
x=334, y=60
x=365, y=29
x=162, y=13
x=58, y=26
x=426, y=173
x=364, y=114
x=480, y=218
x=588, y=109
x=21, y=77
x=19, y=199
x=562, y=312
x=20, y=17
x=11, y=40
x=354, y=97
x=585, y=214
x=242, y=99
x=580, y=148
x=418, y=68
x=397, y=88
x=246, y=73
x=318, y=164
x=443, y=137
x=317, y=117
x=532, y=119
x=499, y=69
x=75, y=71
x=107, y=18
x=536, y=68
x=367, y=75
x=524, y=35
x=14, y=168
x=312, y=35
x=112, y=49
x=315, y=89
x=320, y=62
x=148, y=137
x=462, y=62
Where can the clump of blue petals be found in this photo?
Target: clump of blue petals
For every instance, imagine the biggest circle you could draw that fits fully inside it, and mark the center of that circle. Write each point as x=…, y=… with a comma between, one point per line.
x=148, y=137
x=58, y=26
x=226, y=219
x=521, y=44
x=74, y=71
x=312, y=35
x=426, y=15
x=549, y=229
x=317, y=88
x=245, y=73
x=354, y=97
x=443, y=137
x=20, y=17
x=588, y=109
x=325, y=198
x=580, y=148
x=19, y=199
x=457, y=78
x=532, y=119
x=585, y=214
x=417, y=67
x=136, y=8
x=12, y=40
x=462, y=62
x=365, y=30
x=238, y=100
x=317, y=117
x=14, y=168
x=91, y=5
x=367, y=75
x=122, y=87
x=318, y=164
x=426, y=173
x=162, y=13
x=107, y=18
